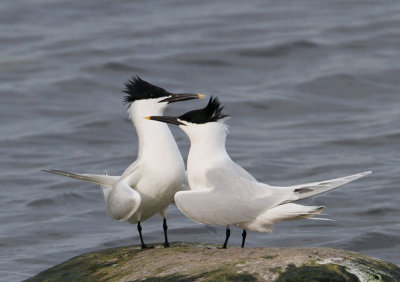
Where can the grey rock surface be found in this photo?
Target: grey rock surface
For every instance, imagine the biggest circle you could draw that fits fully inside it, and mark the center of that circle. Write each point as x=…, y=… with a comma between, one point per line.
x=202, y=262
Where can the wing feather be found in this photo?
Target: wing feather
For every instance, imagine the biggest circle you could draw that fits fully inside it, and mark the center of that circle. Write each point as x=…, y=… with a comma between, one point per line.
x=311, y=189
x=229, y=199
x=122, y=201
x=103, y=180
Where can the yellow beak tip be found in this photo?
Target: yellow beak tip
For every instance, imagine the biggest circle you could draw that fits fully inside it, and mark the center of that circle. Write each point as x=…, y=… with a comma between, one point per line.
x=147, y=117
x=201, y=96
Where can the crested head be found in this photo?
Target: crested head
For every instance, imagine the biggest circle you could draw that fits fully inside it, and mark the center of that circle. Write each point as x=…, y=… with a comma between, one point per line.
x=138, y=89
x=210, y=113
x=203, y=126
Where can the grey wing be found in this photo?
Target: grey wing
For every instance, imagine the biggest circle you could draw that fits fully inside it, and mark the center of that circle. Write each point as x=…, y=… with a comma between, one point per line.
x=130, y=169
x=237, y=199
x=211, y=207
x=103, y=180
x=122, y=201
x=311, y=189
x=239, y=171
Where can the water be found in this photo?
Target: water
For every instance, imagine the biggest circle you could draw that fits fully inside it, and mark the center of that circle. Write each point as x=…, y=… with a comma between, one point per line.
x=312, y=88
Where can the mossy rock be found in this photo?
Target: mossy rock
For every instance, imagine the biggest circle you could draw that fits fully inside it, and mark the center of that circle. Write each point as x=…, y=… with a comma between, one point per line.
x=200, y=262
x=327, y=272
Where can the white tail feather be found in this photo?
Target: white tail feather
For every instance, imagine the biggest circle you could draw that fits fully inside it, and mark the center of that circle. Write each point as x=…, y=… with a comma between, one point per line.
x=264, y=222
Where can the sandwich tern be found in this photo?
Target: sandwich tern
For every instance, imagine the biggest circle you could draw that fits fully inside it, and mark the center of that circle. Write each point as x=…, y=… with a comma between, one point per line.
x=223, y=193
x=149, y=184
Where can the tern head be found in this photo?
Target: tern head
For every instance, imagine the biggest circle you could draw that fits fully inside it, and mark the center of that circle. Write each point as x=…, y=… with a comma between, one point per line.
x=151, y=98
x=201, y=123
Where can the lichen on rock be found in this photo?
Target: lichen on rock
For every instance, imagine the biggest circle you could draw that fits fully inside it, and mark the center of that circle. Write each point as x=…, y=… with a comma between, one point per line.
x=202, y=262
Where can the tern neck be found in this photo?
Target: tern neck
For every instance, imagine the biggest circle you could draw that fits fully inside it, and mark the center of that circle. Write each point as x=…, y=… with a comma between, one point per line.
x=208, y=144
x=155, y=138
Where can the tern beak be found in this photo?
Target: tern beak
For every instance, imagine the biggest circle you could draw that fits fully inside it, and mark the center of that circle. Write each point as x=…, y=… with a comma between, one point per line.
x=166, y=119
x=182, y=97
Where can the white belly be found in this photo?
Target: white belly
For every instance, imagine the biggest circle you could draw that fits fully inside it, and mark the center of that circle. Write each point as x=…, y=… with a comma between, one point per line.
x=156, y=195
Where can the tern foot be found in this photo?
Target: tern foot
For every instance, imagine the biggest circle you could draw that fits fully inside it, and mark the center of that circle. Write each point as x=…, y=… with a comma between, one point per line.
x=144, y=246
x=166, y=245
x=223, y=247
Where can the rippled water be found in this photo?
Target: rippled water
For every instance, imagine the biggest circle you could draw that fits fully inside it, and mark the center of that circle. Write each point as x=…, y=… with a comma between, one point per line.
x=312, y=87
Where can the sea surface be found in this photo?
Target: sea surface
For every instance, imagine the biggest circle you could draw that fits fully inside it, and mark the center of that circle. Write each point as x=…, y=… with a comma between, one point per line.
x=312, y=88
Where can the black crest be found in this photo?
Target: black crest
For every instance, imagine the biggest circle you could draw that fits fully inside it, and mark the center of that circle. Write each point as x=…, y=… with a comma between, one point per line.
x=212, y=112
x=137, y=89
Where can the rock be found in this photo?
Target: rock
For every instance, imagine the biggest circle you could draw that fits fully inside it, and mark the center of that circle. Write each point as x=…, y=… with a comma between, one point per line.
x=202, y=262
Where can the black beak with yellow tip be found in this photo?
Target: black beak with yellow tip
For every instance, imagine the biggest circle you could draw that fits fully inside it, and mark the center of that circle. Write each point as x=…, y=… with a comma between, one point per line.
x=166, y=119
x=182, y=97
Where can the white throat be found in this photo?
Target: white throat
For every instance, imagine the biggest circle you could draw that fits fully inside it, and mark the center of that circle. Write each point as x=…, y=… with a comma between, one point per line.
x=207, y=150
x=155, y=138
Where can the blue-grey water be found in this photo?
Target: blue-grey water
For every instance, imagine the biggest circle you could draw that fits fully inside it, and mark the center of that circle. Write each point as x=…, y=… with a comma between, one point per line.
x=312, y=88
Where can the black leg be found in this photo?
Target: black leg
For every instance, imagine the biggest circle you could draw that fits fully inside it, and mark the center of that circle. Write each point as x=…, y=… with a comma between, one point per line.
x=228, y=233
x=165, y=226
x=243, y=237
x=139, y=228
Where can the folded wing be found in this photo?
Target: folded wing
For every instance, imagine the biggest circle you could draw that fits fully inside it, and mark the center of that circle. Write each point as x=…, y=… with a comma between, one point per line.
x=229, y=199
x=122, y=201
